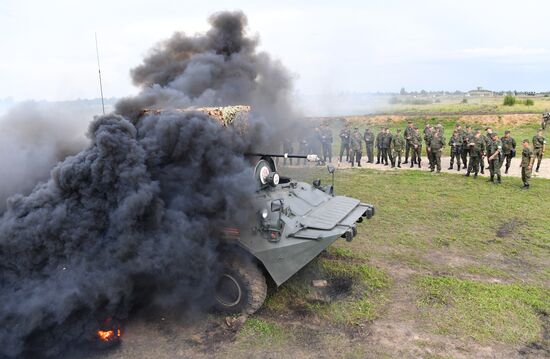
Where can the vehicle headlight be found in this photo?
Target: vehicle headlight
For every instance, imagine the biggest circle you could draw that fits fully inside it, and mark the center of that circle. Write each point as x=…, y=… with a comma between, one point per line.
x=264, y=213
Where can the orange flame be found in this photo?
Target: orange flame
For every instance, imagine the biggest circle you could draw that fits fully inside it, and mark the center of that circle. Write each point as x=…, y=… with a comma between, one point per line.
x=108, y=335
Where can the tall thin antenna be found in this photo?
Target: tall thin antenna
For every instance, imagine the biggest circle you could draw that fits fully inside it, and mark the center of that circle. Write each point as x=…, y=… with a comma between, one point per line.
x=99, y=69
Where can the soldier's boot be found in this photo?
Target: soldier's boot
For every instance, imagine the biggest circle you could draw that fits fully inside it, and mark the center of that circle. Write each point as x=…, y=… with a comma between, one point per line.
x=419, y=163
x=399, y=164
x=475, y=174
x=506, y=170
x=491, y=179
x=482, y=170
x=458, y=169
x=412, y=164
x=451, y=166
x=498, y=180
x=538, y=166
x=467, y=173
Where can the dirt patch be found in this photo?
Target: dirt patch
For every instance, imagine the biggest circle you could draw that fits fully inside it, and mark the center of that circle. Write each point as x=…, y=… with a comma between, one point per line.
x=507, y=229
x=541, y=348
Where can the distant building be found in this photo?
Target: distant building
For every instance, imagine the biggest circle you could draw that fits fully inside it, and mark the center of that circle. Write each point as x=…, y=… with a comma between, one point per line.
x=480, y=92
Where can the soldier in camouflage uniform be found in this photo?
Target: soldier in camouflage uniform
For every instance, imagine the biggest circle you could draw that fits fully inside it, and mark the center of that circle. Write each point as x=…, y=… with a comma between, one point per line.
x=378, y=144
x=409, y=132
x=416, y=148
x=326, y=143
x=476, y=146
x=368, y=136
x=539, y=145
x=428, y=131
x=488, y=139
x=397, y=146
x=455, y=144
x=508, y=149
x=466, y=137
x=527, y=160
x=436, y=144
x=356, y=147
x=494, y=157
x=386, y=144
x=345, y=138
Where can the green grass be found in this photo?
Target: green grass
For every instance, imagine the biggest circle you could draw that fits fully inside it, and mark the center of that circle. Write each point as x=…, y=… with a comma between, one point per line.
x=454, y=105
x=419, y=213
x=361, y=303
x=262, y=333
x=507, y=313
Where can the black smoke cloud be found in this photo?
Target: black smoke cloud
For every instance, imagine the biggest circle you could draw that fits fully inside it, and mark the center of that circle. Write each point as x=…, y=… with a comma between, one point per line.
x=143, y=200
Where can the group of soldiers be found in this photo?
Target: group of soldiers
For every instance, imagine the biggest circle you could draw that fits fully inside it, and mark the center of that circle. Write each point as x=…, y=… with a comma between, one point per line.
x=468, y=149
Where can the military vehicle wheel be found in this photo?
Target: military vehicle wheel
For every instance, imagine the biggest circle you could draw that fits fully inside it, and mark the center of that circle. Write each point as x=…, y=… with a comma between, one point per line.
x=241, y=288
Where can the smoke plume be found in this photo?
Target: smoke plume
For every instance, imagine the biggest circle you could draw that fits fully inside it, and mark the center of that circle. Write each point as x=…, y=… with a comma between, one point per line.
x=143, y=200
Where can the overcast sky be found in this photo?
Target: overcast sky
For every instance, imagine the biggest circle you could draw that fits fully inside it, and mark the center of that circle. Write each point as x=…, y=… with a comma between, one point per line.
x=48, y=49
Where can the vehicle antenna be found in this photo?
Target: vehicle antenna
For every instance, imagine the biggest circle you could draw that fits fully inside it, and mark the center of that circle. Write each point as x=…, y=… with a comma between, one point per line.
x=99, y=69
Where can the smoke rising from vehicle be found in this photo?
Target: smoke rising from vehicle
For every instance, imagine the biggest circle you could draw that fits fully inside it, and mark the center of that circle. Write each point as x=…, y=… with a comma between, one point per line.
x=142, y=202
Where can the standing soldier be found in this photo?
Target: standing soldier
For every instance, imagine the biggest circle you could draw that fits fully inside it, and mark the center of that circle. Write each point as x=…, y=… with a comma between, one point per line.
x=527, y=160
x=466, y=138
x=476, y=147
x=356, y=147
x=378, y=144
x=303, y=147
x=345, y=137
x=427, y=134
x=416, y=146
x=409, y=132
x=436, y=144
x=368, y=136
x=386, y=143
x=455, y=143
x=326, y=143
x=488, y=138
x=494, y=157
x=397, y=145
x=539, y=144
x=508, y=149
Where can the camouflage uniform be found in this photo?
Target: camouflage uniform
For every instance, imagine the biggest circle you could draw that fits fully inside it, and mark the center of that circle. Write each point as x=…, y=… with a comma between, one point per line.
x=303, y=148
x=539, y=143
x=345, y=138
x=386, y=143
x=368, y=136
x=356, y=148
x=408, y=133
x=466, y=138
x=455, y=143
x=378, y=144
x=476, y=147
x=508, y=150
x=416, y=147
x=326, y=142
x=436, y=144
x=487, y=139
x=397, y=145
x=527, y=159
x=427, y=136
x=494, y=150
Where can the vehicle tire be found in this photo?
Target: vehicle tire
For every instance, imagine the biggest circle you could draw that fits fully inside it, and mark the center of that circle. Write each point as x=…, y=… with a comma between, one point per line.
x=241, y=286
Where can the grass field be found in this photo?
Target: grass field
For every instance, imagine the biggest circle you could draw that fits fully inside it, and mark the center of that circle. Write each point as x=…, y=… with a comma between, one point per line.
x=450, y=104
x=448, y=267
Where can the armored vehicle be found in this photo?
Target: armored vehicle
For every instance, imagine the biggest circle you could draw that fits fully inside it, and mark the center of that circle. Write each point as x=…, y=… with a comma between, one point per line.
x=294, y=223
x=545, y=120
